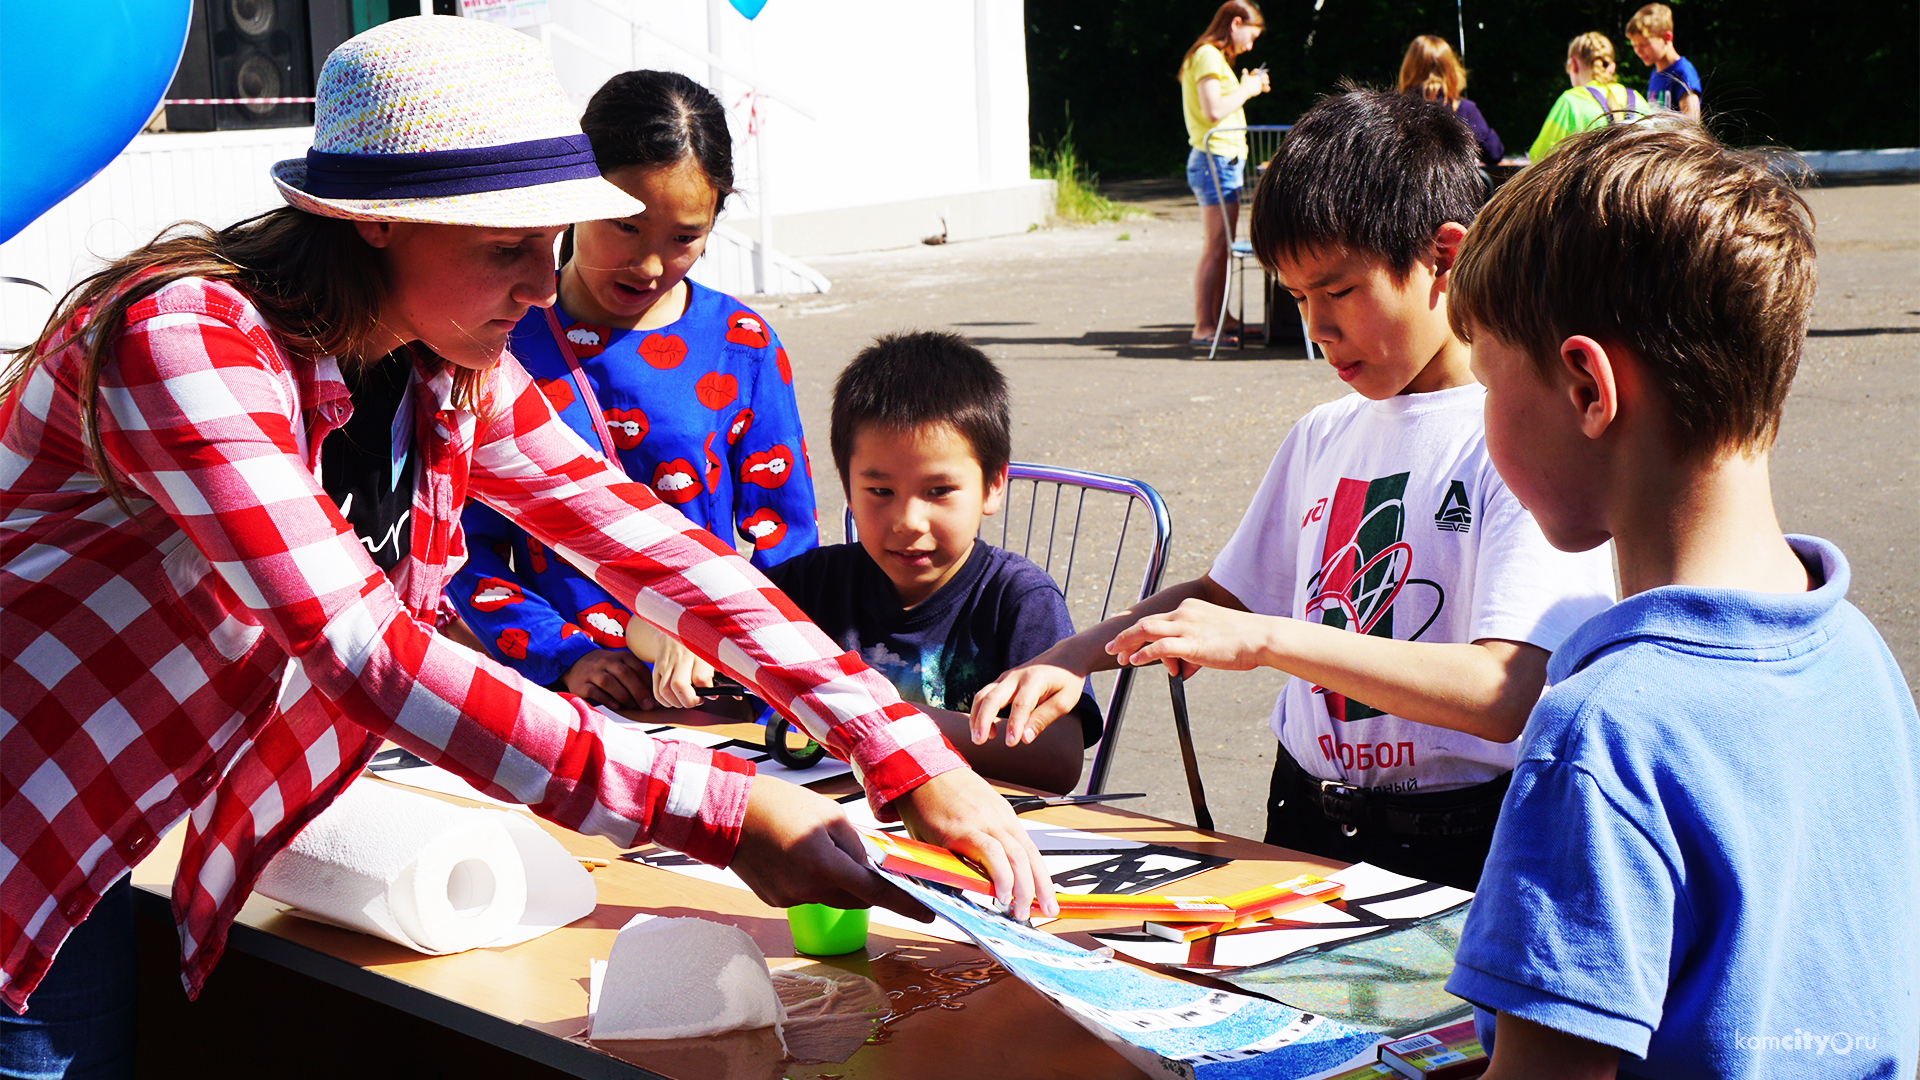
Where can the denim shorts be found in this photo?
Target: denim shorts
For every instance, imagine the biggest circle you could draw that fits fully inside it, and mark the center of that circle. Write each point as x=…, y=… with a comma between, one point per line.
x=1232, y=171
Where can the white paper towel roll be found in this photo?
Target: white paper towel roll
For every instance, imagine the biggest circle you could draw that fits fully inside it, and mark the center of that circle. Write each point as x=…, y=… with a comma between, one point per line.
x=683, y=979
x=427, y=874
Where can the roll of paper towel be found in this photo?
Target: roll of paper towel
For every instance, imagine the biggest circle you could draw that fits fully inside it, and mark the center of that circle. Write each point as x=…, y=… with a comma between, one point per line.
x=427, y=874
x=683, y=979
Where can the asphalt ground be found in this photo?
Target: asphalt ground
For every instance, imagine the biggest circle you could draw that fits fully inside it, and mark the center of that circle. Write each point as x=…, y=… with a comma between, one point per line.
x=1090, y=325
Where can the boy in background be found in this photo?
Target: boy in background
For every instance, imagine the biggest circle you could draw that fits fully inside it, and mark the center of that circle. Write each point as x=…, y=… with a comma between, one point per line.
x=922, y=434
x=1673, y=82
x=1382, y=562
x=1709, y=860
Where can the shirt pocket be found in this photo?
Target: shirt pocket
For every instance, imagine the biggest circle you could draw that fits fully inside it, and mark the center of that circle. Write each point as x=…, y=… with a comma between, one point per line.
x=197, y=593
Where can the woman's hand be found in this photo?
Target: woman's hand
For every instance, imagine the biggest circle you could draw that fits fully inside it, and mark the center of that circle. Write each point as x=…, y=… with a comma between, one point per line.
x=797, y=847
x=1256, y=82
x=611, y=677
x=960, y=811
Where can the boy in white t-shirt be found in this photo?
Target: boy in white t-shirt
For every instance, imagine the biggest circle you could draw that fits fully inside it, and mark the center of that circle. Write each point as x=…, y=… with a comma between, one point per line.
x=1382, y=562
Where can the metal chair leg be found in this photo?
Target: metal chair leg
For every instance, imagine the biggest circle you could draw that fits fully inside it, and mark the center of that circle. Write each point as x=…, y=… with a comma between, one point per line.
x=1226, y=293
x=1177, y=688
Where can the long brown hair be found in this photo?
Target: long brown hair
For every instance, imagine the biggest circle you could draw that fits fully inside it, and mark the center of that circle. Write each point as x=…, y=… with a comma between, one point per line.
x=1432, y=71
x=1219, y=32
x=317, y=284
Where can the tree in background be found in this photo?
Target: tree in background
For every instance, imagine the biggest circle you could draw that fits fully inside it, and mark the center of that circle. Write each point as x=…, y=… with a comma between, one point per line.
x=1844, y=75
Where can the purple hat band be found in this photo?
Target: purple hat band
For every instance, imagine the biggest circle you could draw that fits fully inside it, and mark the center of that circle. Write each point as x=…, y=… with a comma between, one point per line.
x=431, y=173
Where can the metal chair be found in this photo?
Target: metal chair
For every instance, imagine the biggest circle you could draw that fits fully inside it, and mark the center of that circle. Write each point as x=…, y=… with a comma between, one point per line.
x=1263, y=140
x=1067, y=521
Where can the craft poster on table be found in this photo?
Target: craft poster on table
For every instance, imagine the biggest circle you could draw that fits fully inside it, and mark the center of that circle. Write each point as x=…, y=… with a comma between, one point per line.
x=1378, y=958
x=1163, y=1027
x=1079, y=862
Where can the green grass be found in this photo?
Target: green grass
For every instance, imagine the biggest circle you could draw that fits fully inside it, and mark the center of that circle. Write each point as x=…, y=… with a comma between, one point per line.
x=1076, y=198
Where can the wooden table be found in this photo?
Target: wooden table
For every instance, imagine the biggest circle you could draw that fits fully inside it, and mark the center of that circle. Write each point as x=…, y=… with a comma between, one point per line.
x=954, y=1016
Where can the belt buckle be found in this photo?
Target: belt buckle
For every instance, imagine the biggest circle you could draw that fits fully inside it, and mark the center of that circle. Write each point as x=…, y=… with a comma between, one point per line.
x=1343, y=803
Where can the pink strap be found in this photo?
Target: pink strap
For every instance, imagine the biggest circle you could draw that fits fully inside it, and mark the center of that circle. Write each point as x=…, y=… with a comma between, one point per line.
x=585, y=387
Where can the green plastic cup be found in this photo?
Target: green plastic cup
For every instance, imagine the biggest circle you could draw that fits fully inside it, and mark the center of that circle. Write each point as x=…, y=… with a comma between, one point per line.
x=819, y=930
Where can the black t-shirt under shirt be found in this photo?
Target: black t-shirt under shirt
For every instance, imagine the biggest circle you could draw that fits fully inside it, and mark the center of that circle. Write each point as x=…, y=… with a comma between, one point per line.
x=998, y=611
x=367, y=466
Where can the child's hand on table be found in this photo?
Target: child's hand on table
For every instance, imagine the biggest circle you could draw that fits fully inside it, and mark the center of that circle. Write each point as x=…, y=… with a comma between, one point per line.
x=610, y=677
x=676, y=669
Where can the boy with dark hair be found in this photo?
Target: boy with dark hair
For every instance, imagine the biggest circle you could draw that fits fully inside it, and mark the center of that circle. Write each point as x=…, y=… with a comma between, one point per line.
x=1382, y=562
x=1673, y=81
x=1709, y=860
x=921, y=435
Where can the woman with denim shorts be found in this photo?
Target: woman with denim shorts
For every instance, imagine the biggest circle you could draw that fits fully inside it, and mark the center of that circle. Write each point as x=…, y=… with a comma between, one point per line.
x=1212, y=97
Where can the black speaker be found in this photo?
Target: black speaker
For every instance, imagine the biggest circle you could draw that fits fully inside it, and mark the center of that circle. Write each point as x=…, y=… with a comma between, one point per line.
x=334, y=21
x=245, y=49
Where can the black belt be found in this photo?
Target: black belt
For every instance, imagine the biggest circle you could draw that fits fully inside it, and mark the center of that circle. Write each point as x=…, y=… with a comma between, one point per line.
x=1449, y=813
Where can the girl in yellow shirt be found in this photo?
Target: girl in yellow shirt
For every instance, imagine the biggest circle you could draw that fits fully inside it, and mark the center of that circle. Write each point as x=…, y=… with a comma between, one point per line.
x=1213, y=98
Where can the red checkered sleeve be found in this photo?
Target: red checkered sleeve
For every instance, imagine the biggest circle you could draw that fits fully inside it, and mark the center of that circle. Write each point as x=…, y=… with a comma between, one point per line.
x=684, y=580
x=195, y=414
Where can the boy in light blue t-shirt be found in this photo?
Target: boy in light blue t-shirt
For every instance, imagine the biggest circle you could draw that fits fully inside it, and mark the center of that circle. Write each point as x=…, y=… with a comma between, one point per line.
x=1708, y=861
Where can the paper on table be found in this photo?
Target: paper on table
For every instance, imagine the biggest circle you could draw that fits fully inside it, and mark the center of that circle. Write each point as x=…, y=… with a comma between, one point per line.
x=1375, y=899
x=682, y=978
x=434, y=778
x=1078, y=862
x=665, y=859
x=428, y=777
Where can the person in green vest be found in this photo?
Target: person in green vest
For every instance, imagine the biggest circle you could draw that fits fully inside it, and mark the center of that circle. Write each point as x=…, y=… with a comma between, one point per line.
x=1595, y=99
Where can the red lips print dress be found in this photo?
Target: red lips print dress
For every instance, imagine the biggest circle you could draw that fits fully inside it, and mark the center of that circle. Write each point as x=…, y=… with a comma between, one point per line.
x=703, y=412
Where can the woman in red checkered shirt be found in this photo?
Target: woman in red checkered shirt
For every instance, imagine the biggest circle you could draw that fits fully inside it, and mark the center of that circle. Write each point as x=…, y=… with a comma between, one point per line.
x=231, y=473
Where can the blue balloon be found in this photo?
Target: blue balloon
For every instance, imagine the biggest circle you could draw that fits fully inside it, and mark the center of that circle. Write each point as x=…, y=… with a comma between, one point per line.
x=749, y=8
x=77, y=83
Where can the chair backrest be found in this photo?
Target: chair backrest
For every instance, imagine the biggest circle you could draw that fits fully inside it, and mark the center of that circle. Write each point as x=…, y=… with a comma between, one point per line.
x=1263, y=141
x=1104, y=541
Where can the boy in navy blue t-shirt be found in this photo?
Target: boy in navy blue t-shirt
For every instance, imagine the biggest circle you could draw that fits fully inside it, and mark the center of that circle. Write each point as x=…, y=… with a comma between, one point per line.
x=1708, y=860
x=921, y=435
x=1673, y=83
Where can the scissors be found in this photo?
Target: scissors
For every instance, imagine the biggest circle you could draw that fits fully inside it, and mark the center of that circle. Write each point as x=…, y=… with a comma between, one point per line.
x=1023, y=803
x=722, y=687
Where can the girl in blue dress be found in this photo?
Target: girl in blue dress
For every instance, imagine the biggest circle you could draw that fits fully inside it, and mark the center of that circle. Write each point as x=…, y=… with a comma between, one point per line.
x=686, y=388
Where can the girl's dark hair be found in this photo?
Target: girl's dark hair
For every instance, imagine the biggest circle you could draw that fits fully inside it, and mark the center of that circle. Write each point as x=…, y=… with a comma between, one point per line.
x=658, y=118
x=1369, y=172
x=313, y=279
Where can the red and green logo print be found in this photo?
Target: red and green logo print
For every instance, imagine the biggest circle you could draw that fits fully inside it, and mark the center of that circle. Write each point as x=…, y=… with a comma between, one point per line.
x=1364, y=563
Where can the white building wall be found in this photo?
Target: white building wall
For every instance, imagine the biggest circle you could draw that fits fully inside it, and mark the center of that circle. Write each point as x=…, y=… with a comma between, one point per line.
x=889, y=123
x=895, y=91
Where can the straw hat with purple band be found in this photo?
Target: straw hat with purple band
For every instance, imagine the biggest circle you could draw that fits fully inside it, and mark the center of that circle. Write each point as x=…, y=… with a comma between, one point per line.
x=450, y=121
